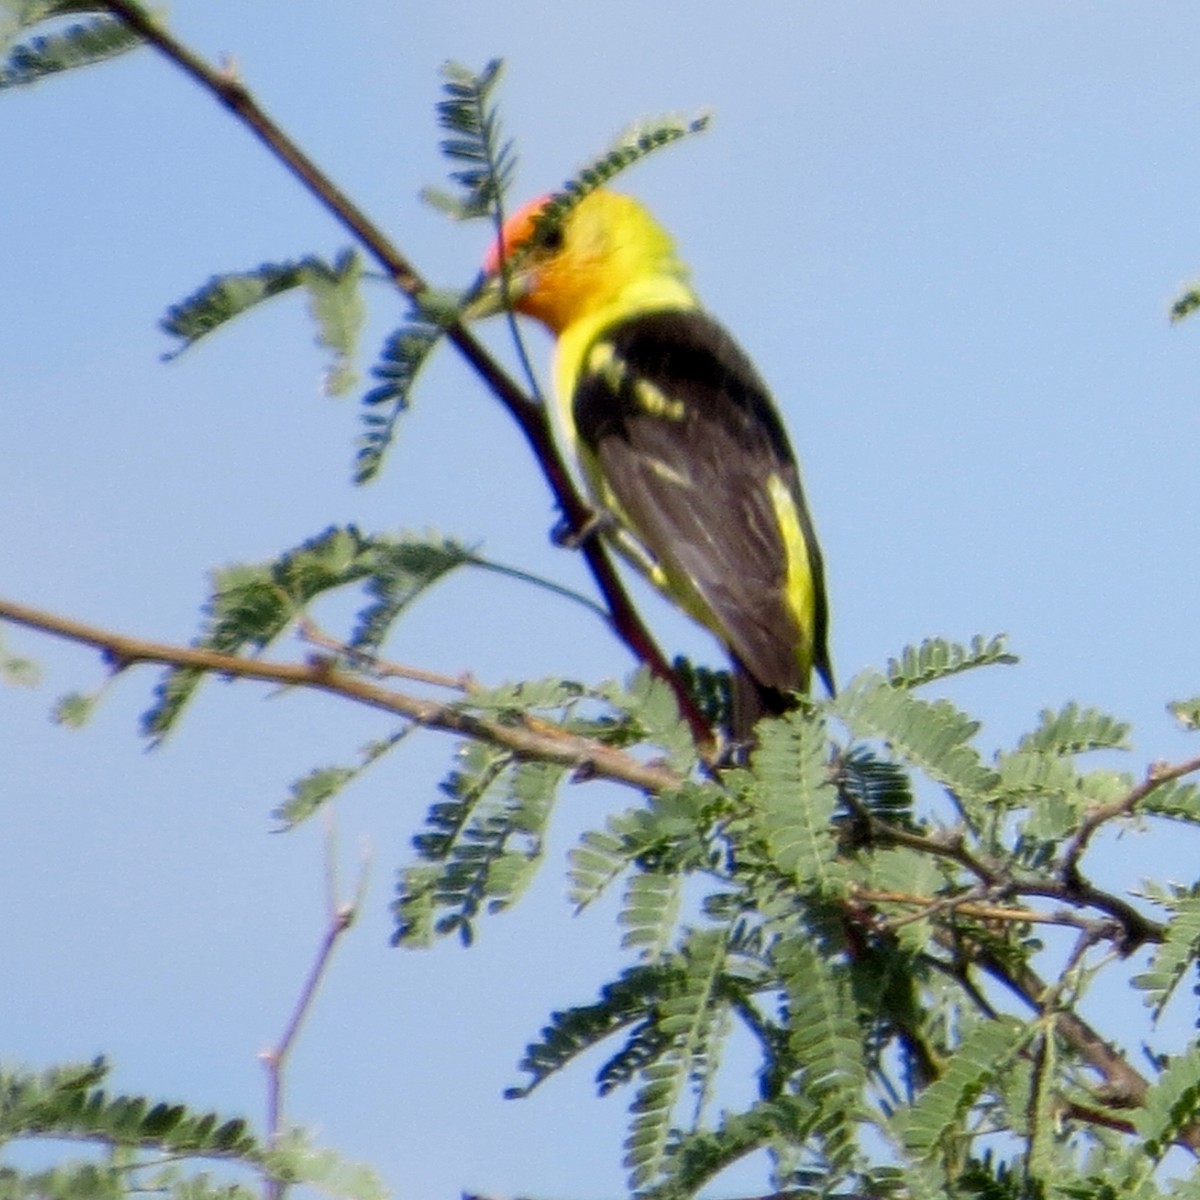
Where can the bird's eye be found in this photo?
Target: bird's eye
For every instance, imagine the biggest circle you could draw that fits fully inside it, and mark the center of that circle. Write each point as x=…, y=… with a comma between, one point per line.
x=550, y=237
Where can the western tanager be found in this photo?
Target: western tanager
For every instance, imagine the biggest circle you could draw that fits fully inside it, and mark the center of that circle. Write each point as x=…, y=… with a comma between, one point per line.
x=676, y=434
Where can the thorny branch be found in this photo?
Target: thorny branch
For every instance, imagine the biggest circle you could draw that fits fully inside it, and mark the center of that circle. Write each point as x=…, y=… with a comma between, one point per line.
x=530, y=416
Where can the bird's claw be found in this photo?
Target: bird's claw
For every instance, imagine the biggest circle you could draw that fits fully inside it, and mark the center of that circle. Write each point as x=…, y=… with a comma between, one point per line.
x=571, y=537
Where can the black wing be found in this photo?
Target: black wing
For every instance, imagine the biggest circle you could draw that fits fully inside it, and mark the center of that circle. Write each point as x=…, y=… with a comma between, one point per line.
x=686, y=437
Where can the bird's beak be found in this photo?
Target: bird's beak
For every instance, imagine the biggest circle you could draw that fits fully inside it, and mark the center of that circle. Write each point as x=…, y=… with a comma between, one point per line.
x=490, y=294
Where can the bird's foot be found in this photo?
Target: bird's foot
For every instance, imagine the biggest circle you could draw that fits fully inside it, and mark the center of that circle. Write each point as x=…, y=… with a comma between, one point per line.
x=571, y=537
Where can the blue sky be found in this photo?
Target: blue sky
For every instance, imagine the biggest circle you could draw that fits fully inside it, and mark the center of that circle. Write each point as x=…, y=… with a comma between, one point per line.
x=948, y=234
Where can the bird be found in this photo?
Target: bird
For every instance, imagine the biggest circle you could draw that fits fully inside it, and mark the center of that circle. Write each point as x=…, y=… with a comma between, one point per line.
x=676, y=436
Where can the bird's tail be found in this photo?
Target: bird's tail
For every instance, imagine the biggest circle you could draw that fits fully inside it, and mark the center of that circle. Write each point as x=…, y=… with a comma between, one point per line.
x=750, y=701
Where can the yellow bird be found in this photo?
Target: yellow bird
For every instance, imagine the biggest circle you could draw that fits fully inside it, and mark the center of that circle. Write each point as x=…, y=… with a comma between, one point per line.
x=676, y=435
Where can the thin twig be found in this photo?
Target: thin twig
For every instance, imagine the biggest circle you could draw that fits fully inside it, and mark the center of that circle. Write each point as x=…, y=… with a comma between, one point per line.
x=341, y=915
x=950, y=844
x=1096, y=816
x=530, y=416
x=1088, y=937
x=967, y=906
x=308, y=632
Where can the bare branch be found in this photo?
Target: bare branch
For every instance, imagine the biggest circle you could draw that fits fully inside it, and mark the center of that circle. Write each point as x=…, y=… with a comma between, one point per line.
x=308, y=632
x=545, y=742
x=341, y=915
x=1096, y=816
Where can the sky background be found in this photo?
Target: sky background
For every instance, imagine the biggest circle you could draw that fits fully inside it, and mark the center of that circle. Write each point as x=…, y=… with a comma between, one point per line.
x=948, y=234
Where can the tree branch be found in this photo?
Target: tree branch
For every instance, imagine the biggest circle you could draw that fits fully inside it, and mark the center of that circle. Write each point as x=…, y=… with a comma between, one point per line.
x=1097, y=815
x=969, y=905
x=624, y=618
x=545, y=743
x=1123, y=1086
x=1070, y=886
x=341, y=915
x=370, y=664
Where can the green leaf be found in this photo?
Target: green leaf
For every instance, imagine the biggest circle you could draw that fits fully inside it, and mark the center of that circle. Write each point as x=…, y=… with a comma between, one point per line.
x=1074, y=730
x=652, y=716
x=67, y=1103
x=227, y=296
x=526, y=696
x=794, y=801
x=294, y=1160
x=824, y=1041
x=404, y=353
x=899, y=869
x=708, y=688
x=569, y=1034
x=651, y=908
x=415, y=907
x=1029, y=776
x=873, y=783
x=645, y=1044
x=1185, y=304
x=322, y=784
x=336, y=305
x=1176, y=954
x=72, y=1180
x=532, y=790
x=253, y=604
x=403, y=569
x=932, y=736
x=74, y=710
x=311, y=793
x=1186, y=712
x=1175, y=800
x=477, y=768
x=18, y=670
x=630, y=146
x=700, y=1155
x=80, y=45
x=486, y=841
x=936, y=658
x=432, y=900
x=685, y=1019
x=1039, y=1101
x=1171, y=1104
x=485, y=161
x=1049, y=787
x=668, y=835
x=938, y=1117
x=598, y=860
